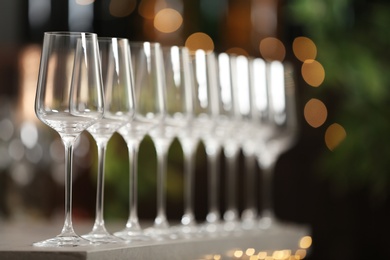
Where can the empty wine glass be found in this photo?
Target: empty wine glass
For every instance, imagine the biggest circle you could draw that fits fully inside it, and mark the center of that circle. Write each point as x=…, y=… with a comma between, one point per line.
x=69, y=99
x=238, y=112
x=177, y=91
x=206, y=112
x=179, y=119
x=119, y=109
x=259, y=108
x=278, y=119
x=146, y=59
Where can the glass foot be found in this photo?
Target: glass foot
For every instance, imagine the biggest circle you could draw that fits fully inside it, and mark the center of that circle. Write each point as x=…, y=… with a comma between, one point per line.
x=213, y=229
x=132, y=235
x=64, y=241
x=161, y=233
x=266, y=222
x=103, y=238
x=187, y=231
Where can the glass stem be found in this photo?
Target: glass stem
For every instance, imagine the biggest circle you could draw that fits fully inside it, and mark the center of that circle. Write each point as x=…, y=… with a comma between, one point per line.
x=250, y=207
x=161, y=218
x=68, y=230
x=99, y=220
x=133, y=221
x=267, y=191
x=213, y=153
x=189, y=149
x=231, y=153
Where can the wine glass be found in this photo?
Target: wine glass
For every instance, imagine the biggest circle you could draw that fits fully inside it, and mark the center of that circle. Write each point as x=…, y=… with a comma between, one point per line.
x=146, y=60
x=277, y=117
x=69, y=99
x=177, y=91
x=179, y=122
x=119, y=109
x=237, y=100
x=206, y=112
x=259, y=108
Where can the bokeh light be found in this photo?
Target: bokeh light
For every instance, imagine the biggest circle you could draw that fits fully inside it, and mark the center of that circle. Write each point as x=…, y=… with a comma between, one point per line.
x=120, y=8
x=305, y=242
x=304, y=49
x=198, y=41
x=250, y=251
x=272, y=48
x=315, y=112
x=29, y=66
x=334, y=135
x=300, y=254
x=313, y=73
x=238, y=253
x=262, y=255
x=168, y=20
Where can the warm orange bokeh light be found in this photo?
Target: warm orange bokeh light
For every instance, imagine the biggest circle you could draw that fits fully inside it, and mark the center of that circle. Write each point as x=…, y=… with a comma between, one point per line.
x=29, y=66
x=198, y=41
x=272, y=48
x=120, y=8
x=313, y=73
x=168, y=20
x=315, y=112
x=304, y=49
x=300, y=254
x=305, y=242
x=334, y=135
x=250, y=251
x=238, y=253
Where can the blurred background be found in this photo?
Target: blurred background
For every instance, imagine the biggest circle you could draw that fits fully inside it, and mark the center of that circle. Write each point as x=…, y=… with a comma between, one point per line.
x=335, y=179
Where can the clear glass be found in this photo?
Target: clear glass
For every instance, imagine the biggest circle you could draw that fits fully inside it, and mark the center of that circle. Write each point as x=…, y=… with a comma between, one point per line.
x=119, y=110
x=69, y=99
x=236, y=98
x=178, y=122
x=147, y=76
x=278, y=118
x=177, y=90
x=206, y=114
x=259, y=111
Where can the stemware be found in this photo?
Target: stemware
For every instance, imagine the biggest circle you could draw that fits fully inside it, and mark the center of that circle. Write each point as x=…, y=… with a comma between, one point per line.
x=69, y=99
x=259, y=110
x=180, y=105
x=119, y=109
x=177, y=91
x=146, y=59
x=279, y=121
x=237, y=114
x=206, y=111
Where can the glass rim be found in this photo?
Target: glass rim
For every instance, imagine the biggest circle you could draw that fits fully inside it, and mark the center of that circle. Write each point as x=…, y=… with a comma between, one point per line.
x=109, y=39
x=69, y=33
x=140, y=43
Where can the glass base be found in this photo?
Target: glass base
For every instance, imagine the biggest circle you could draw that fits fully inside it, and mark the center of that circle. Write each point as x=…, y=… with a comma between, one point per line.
x=249, y=224
x=266, y=222
x=131, y=235
x=213, y=229
x=103, y=238
x=161, y=233
x=72, y=240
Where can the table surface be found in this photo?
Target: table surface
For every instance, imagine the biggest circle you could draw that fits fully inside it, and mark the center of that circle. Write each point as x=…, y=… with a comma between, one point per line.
x=16, y=243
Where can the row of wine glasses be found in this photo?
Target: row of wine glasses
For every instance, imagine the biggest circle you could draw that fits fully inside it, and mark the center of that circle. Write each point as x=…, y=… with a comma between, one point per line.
x=108, y=85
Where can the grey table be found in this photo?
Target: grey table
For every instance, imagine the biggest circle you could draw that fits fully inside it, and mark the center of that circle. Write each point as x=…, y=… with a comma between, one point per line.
x=16, y=243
